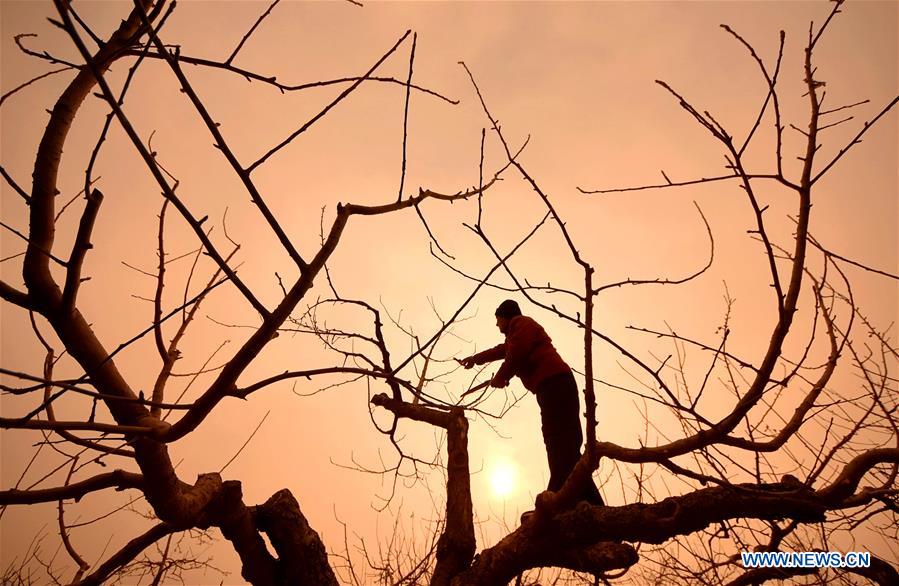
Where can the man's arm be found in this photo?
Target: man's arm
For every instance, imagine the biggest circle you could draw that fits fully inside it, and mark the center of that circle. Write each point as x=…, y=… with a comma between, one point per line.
x=498, y=352
x=519, y=344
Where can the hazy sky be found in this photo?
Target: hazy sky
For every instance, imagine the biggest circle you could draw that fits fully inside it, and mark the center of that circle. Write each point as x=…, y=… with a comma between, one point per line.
x=575, y=77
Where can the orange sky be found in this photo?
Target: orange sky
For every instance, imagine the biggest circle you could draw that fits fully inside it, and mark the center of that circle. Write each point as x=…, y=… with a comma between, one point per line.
x=575, y=77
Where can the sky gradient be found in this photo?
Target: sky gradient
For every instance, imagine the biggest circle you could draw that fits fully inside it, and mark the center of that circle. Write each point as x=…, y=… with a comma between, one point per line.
x=575, y=79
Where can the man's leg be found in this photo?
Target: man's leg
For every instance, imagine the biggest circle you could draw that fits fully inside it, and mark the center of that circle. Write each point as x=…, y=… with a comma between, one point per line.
x=558, y=400
x=562, y=442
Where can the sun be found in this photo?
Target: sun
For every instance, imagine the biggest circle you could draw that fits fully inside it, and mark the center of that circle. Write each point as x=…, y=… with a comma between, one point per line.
x=503, y=478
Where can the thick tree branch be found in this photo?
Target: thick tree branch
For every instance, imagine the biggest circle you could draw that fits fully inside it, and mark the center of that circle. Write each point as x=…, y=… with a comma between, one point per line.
x=41, y=225
x=16, y=297
x=647, y=523
x=238, y=525
x=13, y=423
x=456, y=546
x=595, y=559
x=118, y=479
x=302, y=558
x=847, y=482
x=436, y=417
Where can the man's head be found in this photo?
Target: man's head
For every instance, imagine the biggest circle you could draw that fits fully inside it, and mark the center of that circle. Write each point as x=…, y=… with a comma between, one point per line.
x=504, y=314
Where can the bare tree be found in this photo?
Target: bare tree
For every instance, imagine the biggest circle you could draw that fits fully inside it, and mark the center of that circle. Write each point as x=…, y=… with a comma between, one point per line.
x=803, y=457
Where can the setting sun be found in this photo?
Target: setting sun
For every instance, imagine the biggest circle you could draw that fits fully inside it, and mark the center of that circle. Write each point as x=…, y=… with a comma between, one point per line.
x=503, y=479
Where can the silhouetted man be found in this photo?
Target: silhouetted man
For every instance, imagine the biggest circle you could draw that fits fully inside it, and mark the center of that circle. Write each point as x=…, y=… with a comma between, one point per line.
x=529, y=354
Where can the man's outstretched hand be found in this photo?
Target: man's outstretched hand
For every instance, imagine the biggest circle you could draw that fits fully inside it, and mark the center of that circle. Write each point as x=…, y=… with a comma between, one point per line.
x=499, y=383
x=466, y=363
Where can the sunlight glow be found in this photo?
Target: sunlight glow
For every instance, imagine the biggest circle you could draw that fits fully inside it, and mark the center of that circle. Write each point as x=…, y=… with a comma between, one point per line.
x=503, y=479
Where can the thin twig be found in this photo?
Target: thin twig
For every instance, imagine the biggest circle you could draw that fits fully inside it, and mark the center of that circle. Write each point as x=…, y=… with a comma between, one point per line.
x=249, y=439
x=250, y=32
x=406, y=116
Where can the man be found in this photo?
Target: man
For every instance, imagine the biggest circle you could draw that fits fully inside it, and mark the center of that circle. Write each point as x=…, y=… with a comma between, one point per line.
x=529, y=354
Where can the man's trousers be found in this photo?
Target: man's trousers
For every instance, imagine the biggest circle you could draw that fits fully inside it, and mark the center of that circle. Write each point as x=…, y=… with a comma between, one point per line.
x=561, y=425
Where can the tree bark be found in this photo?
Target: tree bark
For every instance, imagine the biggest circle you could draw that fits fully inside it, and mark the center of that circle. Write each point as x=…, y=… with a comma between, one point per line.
x=302, y=558
x=591, y=534
x=456, y=546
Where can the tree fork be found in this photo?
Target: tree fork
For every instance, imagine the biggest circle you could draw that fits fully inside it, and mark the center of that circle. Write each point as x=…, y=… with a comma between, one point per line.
x=456, y=545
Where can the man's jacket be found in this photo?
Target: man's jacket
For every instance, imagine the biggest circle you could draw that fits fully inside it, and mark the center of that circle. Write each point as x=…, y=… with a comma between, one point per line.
x=528, y=353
